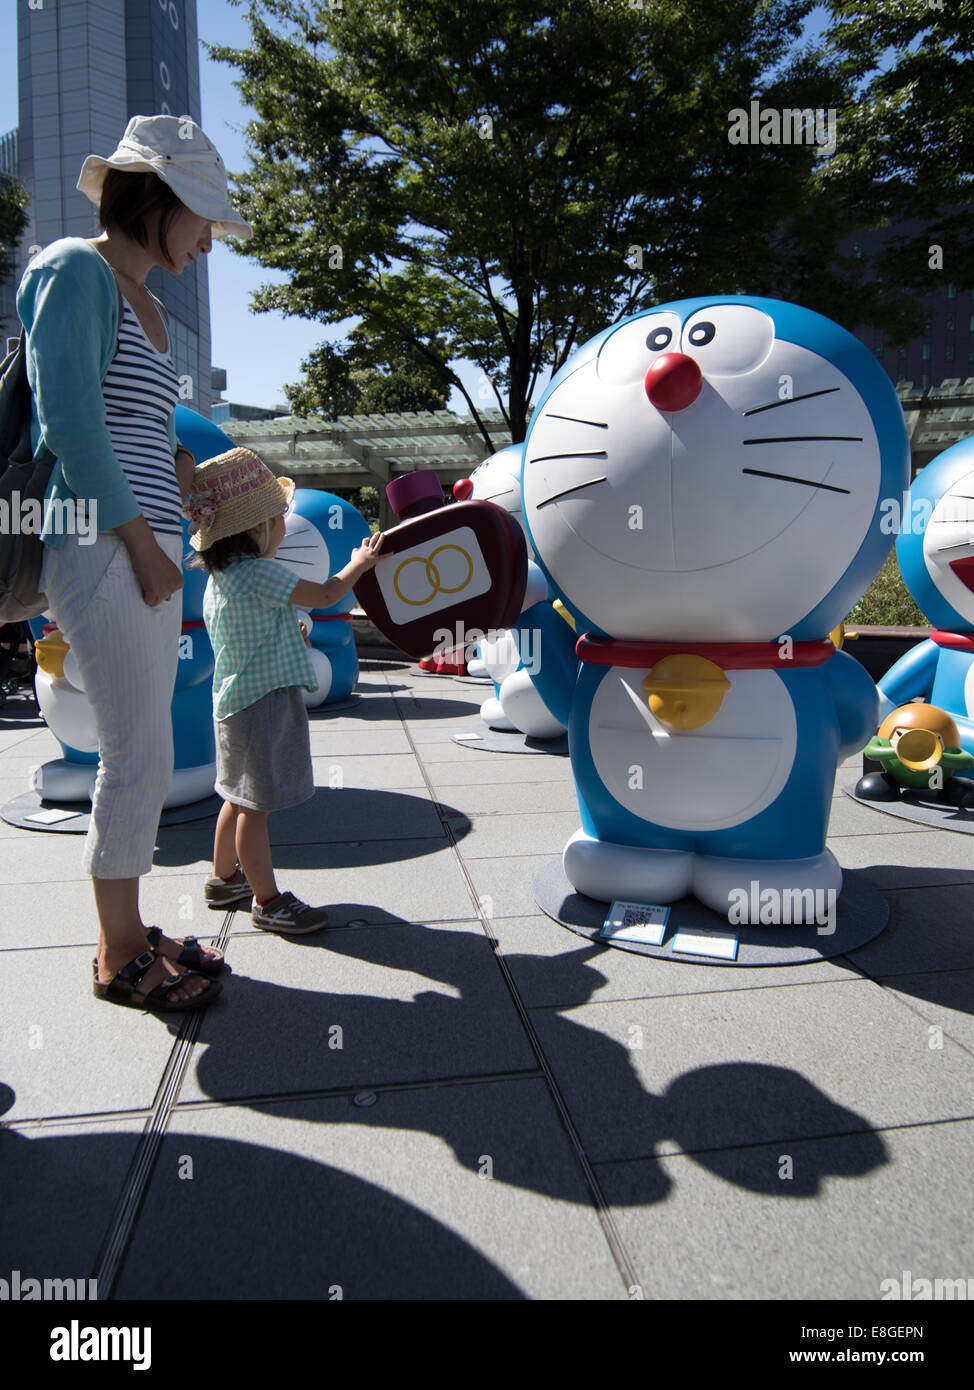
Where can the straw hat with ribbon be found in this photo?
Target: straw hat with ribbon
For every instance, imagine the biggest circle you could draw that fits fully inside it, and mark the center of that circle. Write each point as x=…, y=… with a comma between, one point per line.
x=231, y=493
x=176, y=150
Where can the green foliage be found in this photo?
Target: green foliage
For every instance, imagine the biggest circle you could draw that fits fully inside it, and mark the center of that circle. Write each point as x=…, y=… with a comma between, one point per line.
x=13, y=219
x=341, y=382
x=906, y=143
x=887, y=602
x=496, y=183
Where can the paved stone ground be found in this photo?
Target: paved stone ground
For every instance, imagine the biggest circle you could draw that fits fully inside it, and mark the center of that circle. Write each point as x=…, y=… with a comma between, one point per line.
x=447, y=1098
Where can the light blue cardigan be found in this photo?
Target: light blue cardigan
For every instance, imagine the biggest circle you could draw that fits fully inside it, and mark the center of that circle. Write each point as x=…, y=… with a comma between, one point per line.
x=68, y=303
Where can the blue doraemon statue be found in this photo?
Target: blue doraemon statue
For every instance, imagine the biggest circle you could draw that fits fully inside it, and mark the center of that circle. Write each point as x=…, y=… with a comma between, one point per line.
x=64, y=705
x=515, y=706
x=322, y=530
x=702, y=486
x=935, y=550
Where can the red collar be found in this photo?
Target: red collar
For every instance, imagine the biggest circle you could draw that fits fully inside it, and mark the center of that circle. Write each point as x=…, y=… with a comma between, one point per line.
x=730, y=656
x=959, y=641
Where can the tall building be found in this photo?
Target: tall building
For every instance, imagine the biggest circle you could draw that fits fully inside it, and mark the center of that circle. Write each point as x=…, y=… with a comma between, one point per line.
x=84, y=68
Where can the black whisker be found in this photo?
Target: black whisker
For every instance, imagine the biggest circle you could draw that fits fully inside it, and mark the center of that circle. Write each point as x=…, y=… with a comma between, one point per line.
x=599, y=424
x=592, y=454
x=791, y=400
x=591, y=483
x=787, y=478
x=797, y=438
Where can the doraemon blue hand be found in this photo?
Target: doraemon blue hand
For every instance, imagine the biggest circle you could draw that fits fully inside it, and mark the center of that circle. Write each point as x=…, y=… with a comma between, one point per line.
x=935, y=550
x=702, y=485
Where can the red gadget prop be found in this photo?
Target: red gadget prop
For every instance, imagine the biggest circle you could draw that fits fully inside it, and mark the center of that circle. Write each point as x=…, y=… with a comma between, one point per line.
x=443, y=568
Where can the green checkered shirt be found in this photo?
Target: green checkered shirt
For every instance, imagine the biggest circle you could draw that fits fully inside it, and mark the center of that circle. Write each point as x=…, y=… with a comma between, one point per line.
x=257, y=644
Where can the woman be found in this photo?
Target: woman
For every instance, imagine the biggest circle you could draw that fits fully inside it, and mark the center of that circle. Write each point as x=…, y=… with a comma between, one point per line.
x=104, y=390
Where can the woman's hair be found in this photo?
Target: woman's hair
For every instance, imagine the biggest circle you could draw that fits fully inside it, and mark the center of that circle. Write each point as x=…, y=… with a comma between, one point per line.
x=228, y=548
x=138, y=205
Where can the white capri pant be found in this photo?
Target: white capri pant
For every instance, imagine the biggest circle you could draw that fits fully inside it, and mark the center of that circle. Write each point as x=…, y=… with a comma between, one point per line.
x=127, y=654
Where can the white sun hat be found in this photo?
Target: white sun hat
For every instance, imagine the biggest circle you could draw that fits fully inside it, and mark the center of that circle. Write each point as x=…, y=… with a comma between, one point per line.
x=175, y=149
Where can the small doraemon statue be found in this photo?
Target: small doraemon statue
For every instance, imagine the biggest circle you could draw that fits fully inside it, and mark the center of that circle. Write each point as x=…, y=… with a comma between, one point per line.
x=515, y=706
x=321, y=532
x=935, y=550
x=702, y=486
x=64, y=705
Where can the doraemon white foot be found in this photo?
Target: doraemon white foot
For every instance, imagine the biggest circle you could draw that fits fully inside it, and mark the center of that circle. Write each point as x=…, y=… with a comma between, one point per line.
x=704, y=486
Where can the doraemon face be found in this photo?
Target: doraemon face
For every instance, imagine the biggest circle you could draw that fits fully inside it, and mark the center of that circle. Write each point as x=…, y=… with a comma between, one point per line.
x=303, y=548
x=712, y=472
x=948, y=547
x=498, y=480
x=935, y=544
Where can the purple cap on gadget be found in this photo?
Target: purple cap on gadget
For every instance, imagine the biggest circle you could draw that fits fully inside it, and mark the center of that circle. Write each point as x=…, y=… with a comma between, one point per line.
x=415, y=493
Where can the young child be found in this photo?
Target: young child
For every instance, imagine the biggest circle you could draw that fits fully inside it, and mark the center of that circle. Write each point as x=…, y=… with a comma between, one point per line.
x=263, y=746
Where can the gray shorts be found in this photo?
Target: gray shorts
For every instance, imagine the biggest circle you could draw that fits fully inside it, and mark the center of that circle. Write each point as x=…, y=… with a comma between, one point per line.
x=263, y=753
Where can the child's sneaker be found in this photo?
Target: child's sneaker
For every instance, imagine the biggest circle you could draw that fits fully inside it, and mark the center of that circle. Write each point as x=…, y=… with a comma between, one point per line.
x=219, y=893
x=288, y=914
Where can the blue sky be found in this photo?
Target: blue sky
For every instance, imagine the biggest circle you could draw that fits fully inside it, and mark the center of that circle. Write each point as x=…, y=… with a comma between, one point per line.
x=260, y=352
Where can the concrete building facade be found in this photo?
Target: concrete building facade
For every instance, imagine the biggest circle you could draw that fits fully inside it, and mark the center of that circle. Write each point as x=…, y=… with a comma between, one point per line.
x=84, y=68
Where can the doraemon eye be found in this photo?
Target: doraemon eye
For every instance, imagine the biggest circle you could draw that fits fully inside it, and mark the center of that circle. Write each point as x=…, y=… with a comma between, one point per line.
x=701, y=334
x=728, y=339
x=627, y=354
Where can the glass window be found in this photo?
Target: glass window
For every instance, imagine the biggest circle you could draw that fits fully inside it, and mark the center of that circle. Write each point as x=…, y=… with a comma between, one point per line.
x=951, y=291
x=949, y=353
x=951, y=322
x=925, y=353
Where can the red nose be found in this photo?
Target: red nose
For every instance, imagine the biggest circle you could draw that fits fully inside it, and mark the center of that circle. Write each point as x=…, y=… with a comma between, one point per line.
x=673, y=381
x=462, y=489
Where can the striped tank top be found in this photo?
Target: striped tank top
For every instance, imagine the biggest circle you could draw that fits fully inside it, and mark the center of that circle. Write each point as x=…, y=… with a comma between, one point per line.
x=141, y=390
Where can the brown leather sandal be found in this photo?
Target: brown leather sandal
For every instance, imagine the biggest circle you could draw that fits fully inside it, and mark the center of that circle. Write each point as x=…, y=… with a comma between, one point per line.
x=191, y=957
x=123, y=989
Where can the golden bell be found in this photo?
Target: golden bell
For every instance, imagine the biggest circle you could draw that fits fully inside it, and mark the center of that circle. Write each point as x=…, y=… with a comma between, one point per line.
x=50, y=652
x=684, y=691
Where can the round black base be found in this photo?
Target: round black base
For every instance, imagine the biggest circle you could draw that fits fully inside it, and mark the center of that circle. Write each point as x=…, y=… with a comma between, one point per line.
x=16, y=812
x=861, y=913
x=918, y=807
x=495, y=741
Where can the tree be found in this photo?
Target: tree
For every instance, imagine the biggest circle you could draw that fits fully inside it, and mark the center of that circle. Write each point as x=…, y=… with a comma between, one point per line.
x=496, y=183
x=13, y=219
x=340, y=382
x=906, y=149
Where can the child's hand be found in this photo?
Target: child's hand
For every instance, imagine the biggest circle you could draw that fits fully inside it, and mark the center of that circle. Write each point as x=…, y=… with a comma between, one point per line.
x=367, y=556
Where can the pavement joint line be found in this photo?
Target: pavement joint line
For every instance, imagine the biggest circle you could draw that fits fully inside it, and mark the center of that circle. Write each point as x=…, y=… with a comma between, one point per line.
x=59, y=1121
x=603, y=1211
x=698, y=993
x=121, y=1227
x=897, y=998
x=340, y=1092
x=776, y=1142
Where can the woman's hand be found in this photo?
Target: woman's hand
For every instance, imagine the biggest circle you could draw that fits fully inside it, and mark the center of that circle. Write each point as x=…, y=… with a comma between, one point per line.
x=154, y=570
x=157, y=574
